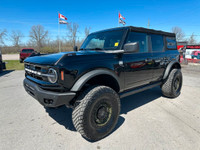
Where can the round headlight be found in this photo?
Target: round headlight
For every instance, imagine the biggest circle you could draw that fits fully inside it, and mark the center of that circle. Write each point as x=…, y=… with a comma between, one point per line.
x=52, y=75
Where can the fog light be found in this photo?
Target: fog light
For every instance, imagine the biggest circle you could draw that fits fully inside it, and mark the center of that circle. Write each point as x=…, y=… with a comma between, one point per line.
x=48, y=101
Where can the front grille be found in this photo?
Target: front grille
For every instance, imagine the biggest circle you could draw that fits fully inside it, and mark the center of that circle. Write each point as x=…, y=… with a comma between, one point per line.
x=41, y=73
x=36, y=71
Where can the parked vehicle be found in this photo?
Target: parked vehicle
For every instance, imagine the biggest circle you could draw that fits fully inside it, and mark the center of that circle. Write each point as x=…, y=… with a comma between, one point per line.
x=2, y=64
x=111, y=64
x=195, y=54
x=24, y=53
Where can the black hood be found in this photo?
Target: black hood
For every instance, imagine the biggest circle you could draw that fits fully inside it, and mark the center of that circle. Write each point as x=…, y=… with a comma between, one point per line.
x=52, y=59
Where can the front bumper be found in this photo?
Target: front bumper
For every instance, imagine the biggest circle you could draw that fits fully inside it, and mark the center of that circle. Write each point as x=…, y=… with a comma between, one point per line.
x=48, y=98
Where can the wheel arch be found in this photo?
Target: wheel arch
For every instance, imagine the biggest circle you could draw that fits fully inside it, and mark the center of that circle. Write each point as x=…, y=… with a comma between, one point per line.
x=171, y=65
x=99, y=76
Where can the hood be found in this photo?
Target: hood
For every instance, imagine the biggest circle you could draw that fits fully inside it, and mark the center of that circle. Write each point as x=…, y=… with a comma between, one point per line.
x=51, y=59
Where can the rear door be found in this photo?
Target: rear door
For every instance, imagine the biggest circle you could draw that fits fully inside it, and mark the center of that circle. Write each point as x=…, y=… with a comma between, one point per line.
x=138, y=66
x=159, y=56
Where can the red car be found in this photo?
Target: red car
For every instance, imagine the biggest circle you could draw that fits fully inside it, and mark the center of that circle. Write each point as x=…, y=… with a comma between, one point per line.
x=24, y=53
x=195, y=54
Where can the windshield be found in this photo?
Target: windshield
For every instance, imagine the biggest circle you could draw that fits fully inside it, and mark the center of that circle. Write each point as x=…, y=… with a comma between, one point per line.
x=27, y=50
x=109, y=40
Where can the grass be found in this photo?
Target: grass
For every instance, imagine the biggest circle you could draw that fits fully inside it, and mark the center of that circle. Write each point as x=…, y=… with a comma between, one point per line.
x=14, y=65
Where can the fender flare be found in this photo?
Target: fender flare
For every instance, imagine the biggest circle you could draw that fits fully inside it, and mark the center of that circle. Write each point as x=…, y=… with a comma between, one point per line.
x=168, y=69
x=89, y=75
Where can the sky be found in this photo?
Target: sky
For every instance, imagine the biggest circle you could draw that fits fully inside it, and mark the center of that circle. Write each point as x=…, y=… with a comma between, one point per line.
x=163, y=15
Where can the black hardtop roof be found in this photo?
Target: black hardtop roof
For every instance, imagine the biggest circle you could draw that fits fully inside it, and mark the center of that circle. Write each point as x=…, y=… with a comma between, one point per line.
x=140, y=29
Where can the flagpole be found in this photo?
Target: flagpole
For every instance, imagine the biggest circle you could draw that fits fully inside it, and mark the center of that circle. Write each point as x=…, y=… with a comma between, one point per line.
x=59, y=38
x=58, y=33
x=118, y=19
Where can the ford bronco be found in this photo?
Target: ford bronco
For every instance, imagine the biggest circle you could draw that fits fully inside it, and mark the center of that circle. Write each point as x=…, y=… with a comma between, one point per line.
x=110, y=64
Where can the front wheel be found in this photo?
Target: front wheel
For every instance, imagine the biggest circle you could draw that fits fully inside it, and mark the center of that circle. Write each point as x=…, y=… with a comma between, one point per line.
x=97, y=112
x=172, y=85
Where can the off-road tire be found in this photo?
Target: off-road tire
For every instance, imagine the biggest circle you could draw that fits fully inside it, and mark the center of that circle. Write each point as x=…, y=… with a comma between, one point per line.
x=168, y=87
x=83, y=114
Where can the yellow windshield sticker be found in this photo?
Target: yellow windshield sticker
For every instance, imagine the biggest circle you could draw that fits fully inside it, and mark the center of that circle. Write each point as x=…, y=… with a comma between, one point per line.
x=116, y=44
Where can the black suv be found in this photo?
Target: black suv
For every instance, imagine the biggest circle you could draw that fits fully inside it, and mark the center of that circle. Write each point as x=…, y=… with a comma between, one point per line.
x=110, y=64
x=2, y=64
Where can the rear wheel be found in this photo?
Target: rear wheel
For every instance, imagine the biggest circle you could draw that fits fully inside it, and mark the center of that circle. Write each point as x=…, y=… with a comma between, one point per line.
x=97, y=112
x=173, y=84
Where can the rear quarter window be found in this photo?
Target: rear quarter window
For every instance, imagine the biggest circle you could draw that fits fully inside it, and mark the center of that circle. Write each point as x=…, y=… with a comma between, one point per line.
x=171, y=43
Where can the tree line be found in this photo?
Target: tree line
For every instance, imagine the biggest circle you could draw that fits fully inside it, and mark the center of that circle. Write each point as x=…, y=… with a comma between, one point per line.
x=40, y=39
x=180, y=36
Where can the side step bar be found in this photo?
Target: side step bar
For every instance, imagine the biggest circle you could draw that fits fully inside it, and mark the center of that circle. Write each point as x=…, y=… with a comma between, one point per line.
x=137, y=90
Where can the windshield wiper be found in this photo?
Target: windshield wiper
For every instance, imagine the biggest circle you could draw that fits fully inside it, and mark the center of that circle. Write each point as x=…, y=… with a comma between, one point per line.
x=95, y=48
x=98, y=48
x=91, y=48
x=81, y=49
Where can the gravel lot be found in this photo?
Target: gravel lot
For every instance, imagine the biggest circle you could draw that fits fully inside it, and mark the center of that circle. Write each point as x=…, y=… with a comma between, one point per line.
x=147, y=120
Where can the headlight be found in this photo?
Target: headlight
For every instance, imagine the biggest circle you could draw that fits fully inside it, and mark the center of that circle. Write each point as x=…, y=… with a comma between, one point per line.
x=52, y=75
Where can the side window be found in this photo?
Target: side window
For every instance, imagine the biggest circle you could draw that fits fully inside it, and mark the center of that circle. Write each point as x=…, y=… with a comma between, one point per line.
x=157, y=43
x=141, y=38
x=171, y=42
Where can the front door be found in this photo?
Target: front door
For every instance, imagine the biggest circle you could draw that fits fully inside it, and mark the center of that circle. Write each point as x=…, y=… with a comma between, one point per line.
x=138, y=66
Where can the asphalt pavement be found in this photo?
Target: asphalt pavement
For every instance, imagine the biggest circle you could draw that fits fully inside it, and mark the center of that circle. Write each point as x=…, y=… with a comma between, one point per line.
x=147, y=121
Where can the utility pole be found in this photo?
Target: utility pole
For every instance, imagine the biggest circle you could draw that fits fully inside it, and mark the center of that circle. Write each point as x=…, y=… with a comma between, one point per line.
x=148, y=25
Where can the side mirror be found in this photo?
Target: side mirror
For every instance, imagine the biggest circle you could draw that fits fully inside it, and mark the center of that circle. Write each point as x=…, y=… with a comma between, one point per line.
x=131, y=47
x=75, y=48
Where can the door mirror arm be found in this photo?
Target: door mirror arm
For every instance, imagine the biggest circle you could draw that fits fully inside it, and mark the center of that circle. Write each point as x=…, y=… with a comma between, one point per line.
x=75, y=48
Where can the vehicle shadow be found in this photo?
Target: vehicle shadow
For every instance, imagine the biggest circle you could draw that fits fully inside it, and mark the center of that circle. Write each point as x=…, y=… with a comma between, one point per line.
x=5, y=72
x=63, y=115
x=134, y=101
